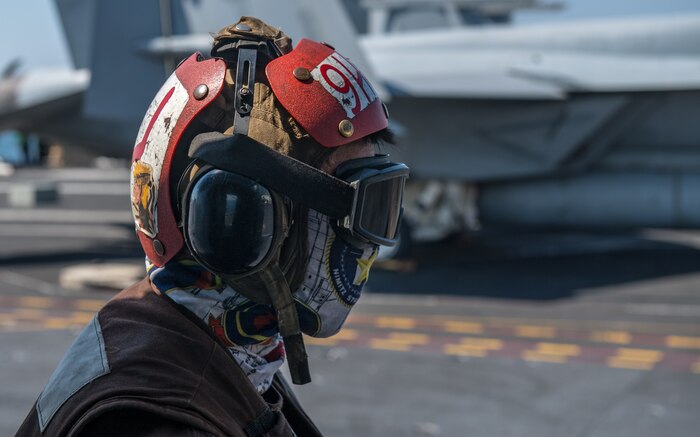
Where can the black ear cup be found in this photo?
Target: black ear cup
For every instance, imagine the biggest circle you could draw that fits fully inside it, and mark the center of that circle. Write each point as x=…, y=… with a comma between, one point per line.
x=228, y=221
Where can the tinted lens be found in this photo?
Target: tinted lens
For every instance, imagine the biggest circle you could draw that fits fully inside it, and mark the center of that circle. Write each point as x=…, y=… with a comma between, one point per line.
x=381, y=208
x=230, y=222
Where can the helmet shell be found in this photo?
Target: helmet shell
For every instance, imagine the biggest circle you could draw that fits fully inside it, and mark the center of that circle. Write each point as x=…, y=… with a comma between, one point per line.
x=178, y=102
x=324, y=91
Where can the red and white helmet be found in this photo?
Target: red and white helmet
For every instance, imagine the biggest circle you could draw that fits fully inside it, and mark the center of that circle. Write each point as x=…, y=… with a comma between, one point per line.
x=321, y=89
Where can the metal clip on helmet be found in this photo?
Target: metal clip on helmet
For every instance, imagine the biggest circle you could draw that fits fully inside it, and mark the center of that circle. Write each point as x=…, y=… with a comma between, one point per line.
x=235, y=199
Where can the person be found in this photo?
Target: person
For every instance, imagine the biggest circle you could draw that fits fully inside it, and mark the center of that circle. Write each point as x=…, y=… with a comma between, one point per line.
x=260, y=203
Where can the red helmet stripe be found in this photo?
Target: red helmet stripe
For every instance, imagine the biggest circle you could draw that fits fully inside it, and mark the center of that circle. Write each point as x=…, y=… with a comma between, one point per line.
x=139, y=148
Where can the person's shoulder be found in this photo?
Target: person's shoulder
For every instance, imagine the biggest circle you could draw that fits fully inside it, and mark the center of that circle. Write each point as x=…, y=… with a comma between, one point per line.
x=138, y=290
x=139, y=318
x=140, y=302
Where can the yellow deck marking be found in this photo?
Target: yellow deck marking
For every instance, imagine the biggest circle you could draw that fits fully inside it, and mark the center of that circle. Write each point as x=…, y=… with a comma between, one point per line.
x=463, y=327
x=676, y=341
x=621, y=363
x=59, y=323
x=473, y=347
x=510, y=322
x=409, y=338
x=35, y=302
x=89, y=304
x=321, y=341
x=535, y=356
x=613, y=337
x=464, y=350
x=484, y=343
x=37, y=314
x=81, y=317
x=381, y=343
x=552, y=352
x=696, y=367
x=564, y=349
x=399, y=341
x=640, y=354
x=8, y=317
x=395, y=322
x=47, y=302
x=8, y=323
x=344, y=335
x=636, y=359
x=533, y=331
x=27, y=313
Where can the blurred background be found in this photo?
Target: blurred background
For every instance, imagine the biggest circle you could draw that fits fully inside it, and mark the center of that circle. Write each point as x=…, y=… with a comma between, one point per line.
x=547, y=278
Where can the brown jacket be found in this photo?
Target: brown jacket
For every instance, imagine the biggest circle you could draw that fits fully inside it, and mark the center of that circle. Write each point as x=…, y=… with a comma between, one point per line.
x=147, y=367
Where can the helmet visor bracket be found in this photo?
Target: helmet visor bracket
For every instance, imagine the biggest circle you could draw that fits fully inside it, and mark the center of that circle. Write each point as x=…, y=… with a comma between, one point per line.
x=244, y=88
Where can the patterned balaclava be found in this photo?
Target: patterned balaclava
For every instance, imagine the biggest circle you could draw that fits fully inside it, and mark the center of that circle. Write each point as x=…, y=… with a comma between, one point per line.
x=335, y=275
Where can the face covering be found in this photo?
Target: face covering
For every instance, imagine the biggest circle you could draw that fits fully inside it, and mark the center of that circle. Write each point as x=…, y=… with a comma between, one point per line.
x=335, y=276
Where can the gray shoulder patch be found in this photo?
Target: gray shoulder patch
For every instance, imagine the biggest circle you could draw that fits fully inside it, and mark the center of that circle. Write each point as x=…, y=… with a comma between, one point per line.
x=85, y=361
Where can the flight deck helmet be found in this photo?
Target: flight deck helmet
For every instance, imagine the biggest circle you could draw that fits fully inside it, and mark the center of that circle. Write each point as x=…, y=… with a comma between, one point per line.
x=302, y=103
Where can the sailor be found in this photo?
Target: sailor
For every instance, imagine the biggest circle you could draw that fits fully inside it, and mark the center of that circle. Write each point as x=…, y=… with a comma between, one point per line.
x=260, y=204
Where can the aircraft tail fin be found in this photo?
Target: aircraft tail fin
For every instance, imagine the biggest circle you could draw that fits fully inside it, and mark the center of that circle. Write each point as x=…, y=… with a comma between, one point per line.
x=110, y=38
x=77, y=20
x=106, y=37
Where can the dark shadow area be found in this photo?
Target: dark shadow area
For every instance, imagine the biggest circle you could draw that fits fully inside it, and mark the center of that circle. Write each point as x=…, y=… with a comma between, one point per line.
x=544, y=265
x=504, y=264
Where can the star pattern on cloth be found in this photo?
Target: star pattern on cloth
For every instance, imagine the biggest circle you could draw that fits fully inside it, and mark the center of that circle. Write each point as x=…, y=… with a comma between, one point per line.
x=364, y=265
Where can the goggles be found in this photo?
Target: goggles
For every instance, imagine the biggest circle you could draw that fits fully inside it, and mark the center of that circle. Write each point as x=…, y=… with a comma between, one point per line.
x=234, y=208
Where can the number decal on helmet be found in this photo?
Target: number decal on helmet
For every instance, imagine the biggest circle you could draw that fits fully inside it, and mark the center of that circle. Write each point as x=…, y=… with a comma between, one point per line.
x=344, y=82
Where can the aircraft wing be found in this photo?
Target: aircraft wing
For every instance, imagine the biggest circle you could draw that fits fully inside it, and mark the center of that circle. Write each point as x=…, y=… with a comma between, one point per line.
x=474, y=85
x=541, y=62
x=429, y=72
x=516, y=74
x=606, y=73
x=474, y=75
x=25, y=99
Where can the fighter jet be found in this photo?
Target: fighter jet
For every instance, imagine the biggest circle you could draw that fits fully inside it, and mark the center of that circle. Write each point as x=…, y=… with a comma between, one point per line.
x=587, y=123
x=123, y=51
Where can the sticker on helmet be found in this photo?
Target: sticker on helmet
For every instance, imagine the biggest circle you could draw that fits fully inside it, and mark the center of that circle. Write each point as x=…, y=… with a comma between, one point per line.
x=345, y=82
x=144, y=192
x=347, y=268
x=151, y=150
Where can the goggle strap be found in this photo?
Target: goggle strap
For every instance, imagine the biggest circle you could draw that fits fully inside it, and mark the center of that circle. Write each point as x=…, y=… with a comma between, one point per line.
x=298, y=181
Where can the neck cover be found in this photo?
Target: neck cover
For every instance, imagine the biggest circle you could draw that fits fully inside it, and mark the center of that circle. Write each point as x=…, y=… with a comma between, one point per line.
x=333, y=282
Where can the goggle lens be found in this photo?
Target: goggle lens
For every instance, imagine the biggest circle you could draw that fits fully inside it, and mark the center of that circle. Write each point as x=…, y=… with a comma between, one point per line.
x=381, y=209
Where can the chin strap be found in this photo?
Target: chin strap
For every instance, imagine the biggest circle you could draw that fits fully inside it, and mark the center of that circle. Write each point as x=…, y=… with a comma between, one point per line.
x=269, y=285
x=288, y=322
